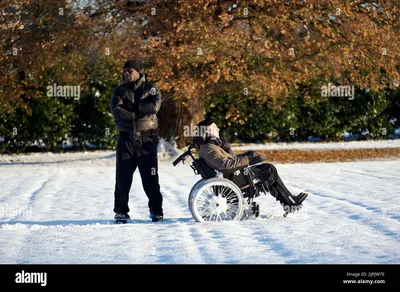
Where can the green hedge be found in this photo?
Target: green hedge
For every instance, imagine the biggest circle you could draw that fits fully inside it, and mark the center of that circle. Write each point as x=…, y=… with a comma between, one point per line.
x=87, y=123
x=306, y=113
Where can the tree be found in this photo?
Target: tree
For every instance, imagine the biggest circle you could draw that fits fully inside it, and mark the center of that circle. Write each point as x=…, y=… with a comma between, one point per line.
x=264, y=47
x=195, y=49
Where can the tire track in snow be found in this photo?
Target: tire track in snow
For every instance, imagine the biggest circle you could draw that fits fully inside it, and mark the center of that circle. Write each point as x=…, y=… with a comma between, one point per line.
x=338, y=179
x=40, y=202
x=360, y=218
x=24, y=203
x=335, y=209
x=255, y=243
x=27, y=200
x=208, y=243
x=144, y=252
x=43, y=200
x=176, y=205
x=213, y=245
x=330, y=232
x=368, y=174
x=367, y=208
x=215, y=239
x=34, y=194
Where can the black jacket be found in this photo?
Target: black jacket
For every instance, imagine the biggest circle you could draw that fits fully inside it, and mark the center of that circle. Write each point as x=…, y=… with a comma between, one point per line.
x=135, y=105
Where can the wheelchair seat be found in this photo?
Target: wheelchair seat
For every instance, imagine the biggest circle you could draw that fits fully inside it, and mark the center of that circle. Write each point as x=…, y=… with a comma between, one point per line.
x=243, y=178
x=240, y=178
x=201, y=167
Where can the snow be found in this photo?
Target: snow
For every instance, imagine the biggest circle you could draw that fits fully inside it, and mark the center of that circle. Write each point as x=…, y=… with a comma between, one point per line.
x=166, y=150
x=331, y=145
x=60, y=211
x=49, y=157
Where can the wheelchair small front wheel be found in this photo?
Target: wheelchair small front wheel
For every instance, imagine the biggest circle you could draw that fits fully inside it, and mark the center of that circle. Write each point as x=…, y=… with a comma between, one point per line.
x=216, y=199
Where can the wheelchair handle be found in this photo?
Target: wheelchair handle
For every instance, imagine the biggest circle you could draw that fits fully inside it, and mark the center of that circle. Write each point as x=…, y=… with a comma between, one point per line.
x=179, y=159
x=184, y=155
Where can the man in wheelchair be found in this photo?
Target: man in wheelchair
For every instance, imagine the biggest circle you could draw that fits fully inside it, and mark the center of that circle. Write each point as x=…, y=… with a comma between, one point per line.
x=218, y=154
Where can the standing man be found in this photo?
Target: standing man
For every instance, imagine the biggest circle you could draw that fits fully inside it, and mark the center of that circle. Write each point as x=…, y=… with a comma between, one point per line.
x=134, y=106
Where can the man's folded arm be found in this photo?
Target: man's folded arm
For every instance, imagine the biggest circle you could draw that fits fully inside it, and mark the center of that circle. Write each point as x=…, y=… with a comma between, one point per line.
x=117, y=109
x=151, y=104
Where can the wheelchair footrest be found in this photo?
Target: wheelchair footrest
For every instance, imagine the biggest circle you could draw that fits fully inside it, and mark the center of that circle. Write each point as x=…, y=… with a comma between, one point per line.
x=252, y=211
x=255, y=208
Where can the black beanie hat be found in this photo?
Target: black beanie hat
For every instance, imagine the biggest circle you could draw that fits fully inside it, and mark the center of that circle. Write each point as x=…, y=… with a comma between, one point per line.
x=206, y=122
x=134, y=64
x=201, y=136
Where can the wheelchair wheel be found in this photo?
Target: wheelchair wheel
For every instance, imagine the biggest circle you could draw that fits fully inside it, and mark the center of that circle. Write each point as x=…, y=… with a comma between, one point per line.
x=216, y=199
x=190, y=195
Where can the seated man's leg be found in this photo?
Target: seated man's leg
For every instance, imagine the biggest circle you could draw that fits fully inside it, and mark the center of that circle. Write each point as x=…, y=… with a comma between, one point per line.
x=269, y=174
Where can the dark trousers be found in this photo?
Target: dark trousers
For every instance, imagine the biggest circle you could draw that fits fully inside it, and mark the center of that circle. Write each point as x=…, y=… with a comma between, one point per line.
x=269, y=174
x=141, y=153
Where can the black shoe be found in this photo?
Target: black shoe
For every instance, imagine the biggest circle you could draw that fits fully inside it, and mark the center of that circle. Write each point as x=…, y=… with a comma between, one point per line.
x=300, y=198
x=155, y=217
x=120, y=217
x=290, y=201
x=292, y=204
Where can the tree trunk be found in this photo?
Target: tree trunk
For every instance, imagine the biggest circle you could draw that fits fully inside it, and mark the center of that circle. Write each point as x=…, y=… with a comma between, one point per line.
x=175, y=116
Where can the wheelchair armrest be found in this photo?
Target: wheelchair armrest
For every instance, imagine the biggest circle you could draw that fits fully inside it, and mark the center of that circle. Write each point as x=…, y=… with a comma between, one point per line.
x=250, y=166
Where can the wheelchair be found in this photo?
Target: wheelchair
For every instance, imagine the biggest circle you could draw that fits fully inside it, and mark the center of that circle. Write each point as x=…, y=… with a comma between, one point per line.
x=215, y=198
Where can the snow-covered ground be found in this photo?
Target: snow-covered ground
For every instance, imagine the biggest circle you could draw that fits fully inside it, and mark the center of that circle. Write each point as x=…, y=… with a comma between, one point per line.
x=49, y=157
x=60, y=211
x=166, y=150
x=332, y=145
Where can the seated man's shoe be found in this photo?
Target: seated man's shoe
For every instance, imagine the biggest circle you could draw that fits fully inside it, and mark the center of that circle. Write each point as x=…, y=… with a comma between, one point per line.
x=156, y=217
x=290, y=201
x=300, y=198
x=293, y=204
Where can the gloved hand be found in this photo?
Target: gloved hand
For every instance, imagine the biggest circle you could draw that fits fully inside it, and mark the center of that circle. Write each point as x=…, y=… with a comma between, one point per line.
x=262, y=156
x=135, y=107
x=256, y=157
x=131, y=106
x=250, y=155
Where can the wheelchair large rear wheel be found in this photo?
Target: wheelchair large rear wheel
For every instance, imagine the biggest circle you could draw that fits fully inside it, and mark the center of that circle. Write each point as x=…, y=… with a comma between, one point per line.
x=216, y=199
